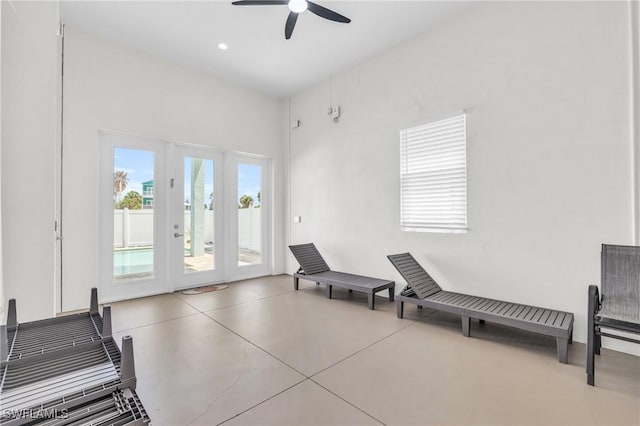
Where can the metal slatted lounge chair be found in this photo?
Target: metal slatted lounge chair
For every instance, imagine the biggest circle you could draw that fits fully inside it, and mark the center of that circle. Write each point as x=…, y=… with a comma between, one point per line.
x=88, y=372
x=314, y=268
x=619, y=306
x=422, y=290
x=122, y=407
x=41, y=337
x=64, y=364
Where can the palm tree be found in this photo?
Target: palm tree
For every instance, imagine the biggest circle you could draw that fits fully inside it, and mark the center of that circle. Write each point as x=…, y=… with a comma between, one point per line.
x=120, y=181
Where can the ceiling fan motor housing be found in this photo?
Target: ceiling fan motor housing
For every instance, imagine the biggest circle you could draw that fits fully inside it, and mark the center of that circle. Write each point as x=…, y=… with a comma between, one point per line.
x=296, y=7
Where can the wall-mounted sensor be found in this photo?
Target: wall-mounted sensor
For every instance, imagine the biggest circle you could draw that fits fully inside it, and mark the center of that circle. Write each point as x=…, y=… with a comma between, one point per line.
x=297, y=219
x=334, y=112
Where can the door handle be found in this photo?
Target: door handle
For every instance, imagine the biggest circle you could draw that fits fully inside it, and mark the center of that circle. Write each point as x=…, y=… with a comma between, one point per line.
x=176, y=235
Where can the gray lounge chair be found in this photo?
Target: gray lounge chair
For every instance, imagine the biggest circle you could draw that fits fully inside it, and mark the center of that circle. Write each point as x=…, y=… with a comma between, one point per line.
x=41, y=337
x=423, y=291
x=314, y=268
x=69, y=363
x=619, y=306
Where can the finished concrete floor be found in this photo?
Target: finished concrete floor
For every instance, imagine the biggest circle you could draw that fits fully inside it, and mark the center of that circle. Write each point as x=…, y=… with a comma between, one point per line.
x=261, y=353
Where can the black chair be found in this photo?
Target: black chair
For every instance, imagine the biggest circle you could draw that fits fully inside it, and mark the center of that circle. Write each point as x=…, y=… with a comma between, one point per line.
x=619, y=306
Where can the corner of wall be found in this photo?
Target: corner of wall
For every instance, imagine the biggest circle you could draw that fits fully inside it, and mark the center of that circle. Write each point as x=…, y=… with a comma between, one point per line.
x=1, y=270
x=634, y=21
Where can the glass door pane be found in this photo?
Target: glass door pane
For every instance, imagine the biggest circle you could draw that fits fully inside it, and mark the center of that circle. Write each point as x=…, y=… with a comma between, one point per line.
x=199, y=215
x=133, y=217
x=197, y=221
x=133, y=214
x=249, y=214
x=248, y=220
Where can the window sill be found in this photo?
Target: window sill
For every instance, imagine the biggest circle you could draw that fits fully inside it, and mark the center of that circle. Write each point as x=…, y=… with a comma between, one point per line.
x=436, y=230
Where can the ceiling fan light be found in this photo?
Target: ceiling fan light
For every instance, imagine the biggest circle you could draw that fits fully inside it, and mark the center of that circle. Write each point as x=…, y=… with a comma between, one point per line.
x=298, y=6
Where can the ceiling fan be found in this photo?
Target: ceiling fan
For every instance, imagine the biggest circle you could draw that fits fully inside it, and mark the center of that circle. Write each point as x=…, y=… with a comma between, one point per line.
x=295, y=8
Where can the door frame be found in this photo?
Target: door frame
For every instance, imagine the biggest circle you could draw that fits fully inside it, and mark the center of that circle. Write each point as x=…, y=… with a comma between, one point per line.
x=165, y=172
x=234, y=272
x=179, y=279
x=111, y=290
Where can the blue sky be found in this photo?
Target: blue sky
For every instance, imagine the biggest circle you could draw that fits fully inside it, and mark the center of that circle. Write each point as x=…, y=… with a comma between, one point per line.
x=137, y=163
x=139, y=167
x=249, y=177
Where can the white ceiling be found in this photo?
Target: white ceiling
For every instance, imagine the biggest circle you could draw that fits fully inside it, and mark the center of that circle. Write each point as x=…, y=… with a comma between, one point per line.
x=188, y=33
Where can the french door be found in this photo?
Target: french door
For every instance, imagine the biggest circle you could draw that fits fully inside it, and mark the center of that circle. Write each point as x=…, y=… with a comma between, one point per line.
x=133, y=217
x=248, y=216
x=197, y=228
x=175, y=216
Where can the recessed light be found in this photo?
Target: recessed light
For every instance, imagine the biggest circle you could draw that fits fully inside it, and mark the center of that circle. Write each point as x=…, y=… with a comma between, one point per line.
x=222, y=46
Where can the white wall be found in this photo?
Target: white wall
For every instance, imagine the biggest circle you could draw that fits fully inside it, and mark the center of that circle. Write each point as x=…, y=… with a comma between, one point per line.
x=546, y=87
x=115, y=88
x=634, y=45
x=29, y=123
x=2, y=308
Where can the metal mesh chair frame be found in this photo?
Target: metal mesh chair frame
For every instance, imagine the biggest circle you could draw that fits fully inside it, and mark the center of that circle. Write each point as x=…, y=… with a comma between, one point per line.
x=621, y=297
x=71, y=370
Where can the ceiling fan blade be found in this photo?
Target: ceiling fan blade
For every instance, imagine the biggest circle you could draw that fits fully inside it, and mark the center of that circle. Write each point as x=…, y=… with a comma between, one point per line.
x=290, y=25
x=259, y=2
x=325, y=13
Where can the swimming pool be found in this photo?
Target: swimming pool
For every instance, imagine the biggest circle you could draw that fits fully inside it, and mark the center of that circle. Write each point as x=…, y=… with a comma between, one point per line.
x=136, y=262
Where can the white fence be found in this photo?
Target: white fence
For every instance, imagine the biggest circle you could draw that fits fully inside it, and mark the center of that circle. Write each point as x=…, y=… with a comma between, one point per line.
x=134, y=228
x=249, y=225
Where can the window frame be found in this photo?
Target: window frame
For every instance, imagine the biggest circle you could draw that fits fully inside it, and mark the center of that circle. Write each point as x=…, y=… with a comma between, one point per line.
x=432, y=224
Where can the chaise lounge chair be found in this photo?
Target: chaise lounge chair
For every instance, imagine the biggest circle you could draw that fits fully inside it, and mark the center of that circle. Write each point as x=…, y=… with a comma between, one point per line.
x=314, y=268
x=619, y=306
x=67, y=370
x=422, y=290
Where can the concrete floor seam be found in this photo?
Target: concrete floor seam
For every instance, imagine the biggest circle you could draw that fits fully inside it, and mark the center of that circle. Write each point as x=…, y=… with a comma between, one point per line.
x=158, y=322
x=262, y=402
x=351, y=404
x=359, y=351
x=253, y=344
x=232, y=305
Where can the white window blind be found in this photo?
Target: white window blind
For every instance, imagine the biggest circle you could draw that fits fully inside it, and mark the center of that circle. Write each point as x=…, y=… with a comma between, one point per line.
x=433, y=175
